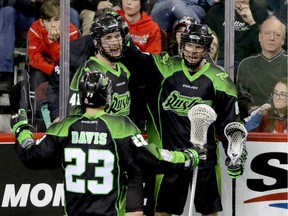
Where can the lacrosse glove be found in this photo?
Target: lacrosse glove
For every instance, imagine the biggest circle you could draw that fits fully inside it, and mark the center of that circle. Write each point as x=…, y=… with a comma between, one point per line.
x=237, y=169
x=20, y=126
x=196, y=155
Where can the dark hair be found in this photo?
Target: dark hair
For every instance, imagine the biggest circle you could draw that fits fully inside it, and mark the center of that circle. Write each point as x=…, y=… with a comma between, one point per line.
x=49, y=9
x=105, y=22
x=272, y=113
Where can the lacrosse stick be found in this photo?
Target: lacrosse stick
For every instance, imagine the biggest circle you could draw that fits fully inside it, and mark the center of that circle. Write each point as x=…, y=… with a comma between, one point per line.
x=201, y=117
x=236, y=135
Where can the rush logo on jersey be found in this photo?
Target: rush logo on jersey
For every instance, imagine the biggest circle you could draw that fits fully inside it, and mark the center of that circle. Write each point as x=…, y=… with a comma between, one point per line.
x=181, y=104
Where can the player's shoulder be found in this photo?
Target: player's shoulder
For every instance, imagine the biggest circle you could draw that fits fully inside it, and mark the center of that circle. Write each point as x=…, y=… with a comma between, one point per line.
x=120, y=126
x=165, y=59
x=252, y=58
x=116, y=119
x=217, y=75
x=215, y=69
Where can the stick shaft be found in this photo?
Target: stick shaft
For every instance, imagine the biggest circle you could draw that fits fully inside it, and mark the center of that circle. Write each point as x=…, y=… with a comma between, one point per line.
x=192, y=192
x=233, y=197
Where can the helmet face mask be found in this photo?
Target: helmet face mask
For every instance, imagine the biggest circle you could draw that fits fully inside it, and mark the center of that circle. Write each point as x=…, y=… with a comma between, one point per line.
x=95, y=89
x=196, y=34
x=111, y=46
x=103, y=25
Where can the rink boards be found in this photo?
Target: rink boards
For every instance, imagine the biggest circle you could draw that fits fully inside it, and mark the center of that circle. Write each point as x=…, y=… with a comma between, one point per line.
x=262, y=190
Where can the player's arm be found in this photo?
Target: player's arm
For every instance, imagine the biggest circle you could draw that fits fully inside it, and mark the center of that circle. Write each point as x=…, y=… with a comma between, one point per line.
x=143, y=63
x=152, y=158
x=135, y=197
x=225, y=105
x=39, y=154
x=53, y=94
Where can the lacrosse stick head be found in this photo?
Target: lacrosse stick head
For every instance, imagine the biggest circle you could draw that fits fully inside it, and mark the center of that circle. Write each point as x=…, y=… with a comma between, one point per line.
x=201, y=117
x=236, y=135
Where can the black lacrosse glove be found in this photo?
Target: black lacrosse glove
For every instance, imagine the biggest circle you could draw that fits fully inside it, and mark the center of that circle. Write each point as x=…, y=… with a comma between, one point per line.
x=202, y=154
x=237, y=169
x=196, y=155
x=20, y=126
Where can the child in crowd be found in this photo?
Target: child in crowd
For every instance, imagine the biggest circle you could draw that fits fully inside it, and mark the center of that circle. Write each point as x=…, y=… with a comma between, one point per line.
x=44, y=42
x=271, y=118
x=144, y=31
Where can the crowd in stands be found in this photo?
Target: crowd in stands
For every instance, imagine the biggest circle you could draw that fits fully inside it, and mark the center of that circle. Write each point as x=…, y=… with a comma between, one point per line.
x=260, y=42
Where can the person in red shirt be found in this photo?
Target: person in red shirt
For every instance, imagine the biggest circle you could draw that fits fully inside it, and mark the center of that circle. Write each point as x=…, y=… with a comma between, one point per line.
x=275, y=120
x=144, y=31
x=44, y=42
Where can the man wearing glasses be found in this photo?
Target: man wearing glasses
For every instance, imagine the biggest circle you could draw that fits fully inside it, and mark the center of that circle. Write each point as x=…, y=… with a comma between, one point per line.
x=258, y=74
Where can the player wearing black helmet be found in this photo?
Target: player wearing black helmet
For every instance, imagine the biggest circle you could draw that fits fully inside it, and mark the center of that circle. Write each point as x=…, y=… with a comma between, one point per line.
x=99, y=154
x=173, y=86
x=95, y=90
x=109, y=35
x=195, y=45
x=179, y=26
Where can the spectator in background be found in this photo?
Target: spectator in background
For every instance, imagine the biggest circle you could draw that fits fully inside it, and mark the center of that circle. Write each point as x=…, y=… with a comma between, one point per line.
x=214, y=50
x=275, y=5
x=166, y=12
x=258, y=73
x=15, y=17
x=248, y=15
x=87, y=9
x=150, y=5
x=44, y=42
x=179, y=27
x=281, y=14
x=253, y=121
x=272, y=118
x=144, y=31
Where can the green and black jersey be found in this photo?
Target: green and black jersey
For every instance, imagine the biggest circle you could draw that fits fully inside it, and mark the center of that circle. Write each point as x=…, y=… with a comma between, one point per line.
x=101, y=157
x=171, y=92
x=120, y=104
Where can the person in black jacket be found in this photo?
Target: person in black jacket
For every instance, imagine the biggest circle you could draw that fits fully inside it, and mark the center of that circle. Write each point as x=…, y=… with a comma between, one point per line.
x=80, y=50
x=248, y=17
